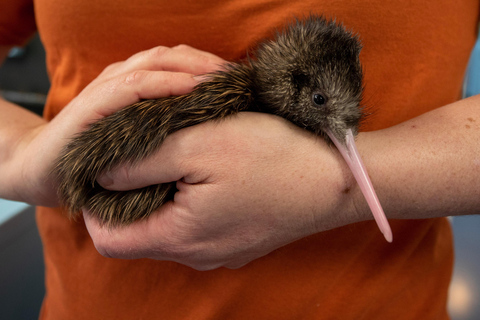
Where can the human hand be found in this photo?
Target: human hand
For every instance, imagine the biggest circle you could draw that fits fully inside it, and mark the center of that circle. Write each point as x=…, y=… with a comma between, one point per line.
x=247, y=185
x=155, y=73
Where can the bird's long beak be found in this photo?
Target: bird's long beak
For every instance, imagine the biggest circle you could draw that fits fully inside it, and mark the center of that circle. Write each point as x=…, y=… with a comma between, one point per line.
x=350, y=154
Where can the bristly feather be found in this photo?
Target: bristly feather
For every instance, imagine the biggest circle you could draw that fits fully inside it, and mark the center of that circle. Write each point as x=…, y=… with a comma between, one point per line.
x=135, y=132
x=313, y=55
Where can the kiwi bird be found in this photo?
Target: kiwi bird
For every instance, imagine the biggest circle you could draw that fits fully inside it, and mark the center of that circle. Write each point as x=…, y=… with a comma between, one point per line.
x=309, y=73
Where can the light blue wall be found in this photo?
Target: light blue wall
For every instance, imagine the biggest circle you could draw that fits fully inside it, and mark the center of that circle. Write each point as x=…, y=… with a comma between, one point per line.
x=9, y=208
x=472, y=80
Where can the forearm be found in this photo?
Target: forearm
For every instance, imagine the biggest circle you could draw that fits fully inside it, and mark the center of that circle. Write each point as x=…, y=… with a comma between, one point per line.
x=17, y=127
x=428, y=166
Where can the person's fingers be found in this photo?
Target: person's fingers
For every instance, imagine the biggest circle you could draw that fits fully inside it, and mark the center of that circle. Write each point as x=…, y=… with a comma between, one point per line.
x=114, y=243
x=181, y=58
x=185, y=155
x=99, y=100
x=160, y=237
x=166, y=165
x=138, y=85
x=150, y=238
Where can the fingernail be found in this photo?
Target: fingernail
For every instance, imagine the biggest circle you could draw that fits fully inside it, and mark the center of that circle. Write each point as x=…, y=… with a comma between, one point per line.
x=105, y=180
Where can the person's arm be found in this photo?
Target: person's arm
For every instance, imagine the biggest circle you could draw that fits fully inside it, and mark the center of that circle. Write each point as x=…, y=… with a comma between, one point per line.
x=29, y=145
x=428, y=166
x=253, y=183
x=17, y=125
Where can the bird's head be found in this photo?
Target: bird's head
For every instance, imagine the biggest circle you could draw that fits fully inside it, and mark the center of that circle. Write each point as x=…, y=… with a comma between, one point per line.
x=311, y=75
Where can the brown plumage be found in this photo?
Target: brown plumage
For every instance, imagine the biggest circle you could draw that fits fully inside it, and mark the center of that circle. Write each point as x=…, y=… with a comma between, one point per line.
x=309, y=74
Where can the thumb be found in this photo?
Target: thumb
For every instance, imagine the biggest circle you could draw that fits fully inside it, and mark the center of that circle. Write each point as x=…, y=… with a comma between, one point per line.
x=169, y=163
x=141, y=239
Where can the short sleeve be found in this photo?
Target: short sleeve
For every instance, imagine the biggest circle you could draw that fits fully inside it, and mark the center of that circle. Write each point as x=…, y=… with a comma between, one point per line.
x=17, y=22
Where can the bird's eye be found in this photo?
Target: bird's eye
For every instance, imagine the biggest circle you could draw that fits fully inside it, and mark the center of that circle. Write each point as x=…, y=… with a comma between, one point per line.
x=318, y=99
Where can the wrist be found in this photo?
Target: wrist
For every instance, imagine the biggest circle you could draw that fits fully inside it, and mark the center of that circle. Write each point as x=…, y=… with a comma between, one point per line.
x=27, y=176
x=340, y=202
x=370, y=155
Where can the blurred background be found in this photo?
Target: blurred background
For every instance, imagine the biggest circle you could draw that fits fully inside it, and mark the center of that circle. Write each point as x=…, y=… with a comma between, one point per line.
x=23, y=80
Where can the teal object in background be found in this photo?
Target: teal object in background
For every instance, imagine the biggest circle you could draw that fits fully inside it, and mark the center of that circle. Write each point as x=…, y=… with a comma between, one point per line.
x=464, y=295
x=9, y=208
x=472, y=78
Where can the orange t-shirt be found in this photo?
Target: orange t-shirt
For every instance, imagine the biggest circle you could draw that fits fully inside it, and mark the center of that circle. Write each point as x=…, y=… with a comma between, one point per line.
x=414, y=58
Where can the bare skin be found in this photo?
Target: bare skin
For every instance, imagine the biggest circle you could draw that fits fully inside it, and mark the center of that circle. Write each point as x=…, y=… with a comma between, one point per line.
x=249, y=184
x=29, y=144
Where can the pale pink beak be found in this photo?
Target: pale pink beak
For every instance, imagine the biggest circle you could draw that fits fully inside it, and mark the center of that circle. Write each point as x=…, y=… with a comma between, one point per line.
x=350, y=154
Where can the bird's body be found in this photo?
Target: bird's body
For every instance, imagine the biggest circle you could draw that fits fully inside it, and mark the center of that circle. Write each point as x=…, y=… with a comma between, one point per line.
x=135, y=132
x=309, y=74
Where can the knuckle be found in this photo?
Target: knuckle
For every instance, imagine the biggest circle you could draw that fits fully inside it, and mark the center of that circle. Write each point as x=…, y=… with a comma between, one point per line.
x=134, y=77
x=158, y=52
x=235, y=266
x=110, y=68
x=109, y=88
x=104, y=251
x=117, y=249
x=202, y=58
x=104, y=241
x=182, y=47
x=202, y=264
x=206, y=60
x=204, y=267
x=104, y=247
